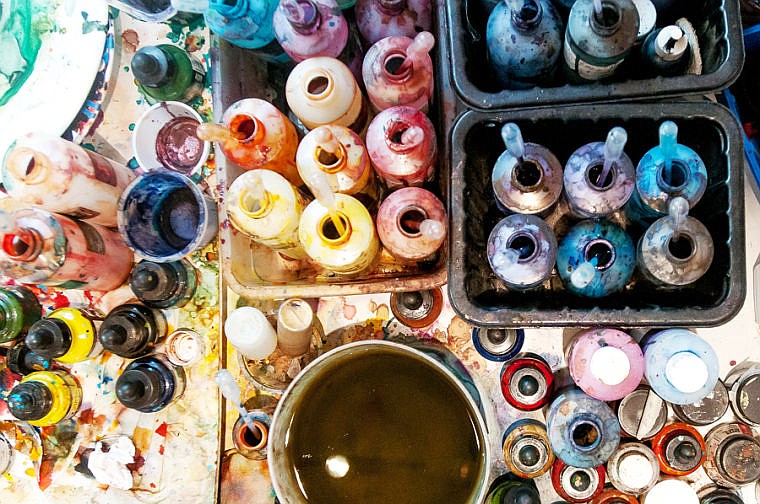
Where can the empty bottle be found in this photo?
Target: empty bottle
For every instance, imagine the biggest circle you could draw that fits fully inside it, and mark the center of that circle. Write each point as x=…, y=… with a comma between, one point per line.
x=150, y=383
x=44, y=398
x=599, y=35
x=666, y=52
x=164, y=285
x=378, y=19
x=19, y=309
x=167, y=73
x=524, y=40
x=132, y=330
x=66, y=335
x=411, y=224
x=522, y=251
x=308, y=28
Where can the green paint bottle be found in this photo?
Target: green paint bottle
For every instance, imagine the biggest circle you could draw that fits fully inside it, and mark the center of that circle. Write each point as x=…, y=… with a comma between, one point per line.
x=167, y=73
x=19, y=309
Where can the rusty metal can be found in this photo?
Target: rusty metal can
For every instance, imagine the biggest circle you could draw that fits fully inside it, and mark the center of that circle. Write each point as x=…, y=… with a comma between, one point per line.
x=526, y=449
x=527, y=382
x=733, y=455
x=706, y=411
x=577, y=484
x=417, y=309
x=680, y=449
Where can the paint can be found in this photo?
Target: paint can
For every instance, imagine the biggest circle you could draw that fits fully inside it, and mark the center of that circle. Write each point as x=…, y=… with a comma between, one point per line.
x=733, y=455
x=642, y=413
x=498, y=344
x=680, y=449
x=526, y=449
x=527, y=382
x=522, y=251
x=577, y=484
x=707, y=410
x=744, y=392
x=633, y=468
x=417, y=309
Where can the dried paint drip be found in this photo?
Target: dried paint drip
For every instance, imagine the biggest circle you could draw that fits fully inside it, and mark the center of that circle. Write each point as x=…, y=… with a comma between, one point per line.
x=177, y=145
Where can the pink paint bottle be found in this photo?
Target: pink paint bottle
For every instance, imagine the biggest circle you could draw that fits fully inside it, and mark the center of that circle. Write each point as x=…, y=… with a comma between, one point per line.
x=399, y=71
x=402, y=146
x=378, y=19
x=255, y=134
x=411, y=223
x=308, y=28
x=607, y=364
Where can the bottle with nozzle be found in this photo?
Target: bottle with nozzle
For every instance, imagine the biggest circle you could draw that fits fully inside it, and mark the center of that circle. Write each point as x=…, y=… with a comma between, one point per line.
x=308, y=28
x=150, y=384
x=167, y=73
x=378, y=19
x=666, y=52
x=132, y=330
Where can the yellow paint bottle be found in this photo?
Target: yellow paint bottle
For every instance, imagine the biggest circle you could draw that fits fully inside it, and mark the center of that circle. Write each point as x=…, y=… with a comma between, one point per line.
x=45, y=398
x=66, y=335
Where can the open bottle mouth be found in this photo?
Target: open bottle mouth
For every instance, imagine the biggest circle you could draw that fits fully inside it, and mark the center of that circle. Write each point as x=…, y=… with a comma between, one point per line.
x=318, y=85
x=608, y=20
x=245, y=128
x=527, y=175
x=330, y=234
x=525, y=245
x=681, y=248
x=594, y=173
x=22, y=244
x=675, y=179
x=528, y=15
x=409, y=220
x=392, y=66
x=601, y=253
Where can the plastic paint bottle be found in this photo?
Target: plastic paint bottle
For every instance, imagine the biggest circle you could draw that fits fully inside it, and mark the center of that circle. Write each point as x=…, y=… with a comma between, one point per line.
x=666, y=51
x=577, y=484
x=164, y=285
x=680, y=449
x=45, y=398
x=670, y=491
x=23, y=361
x=508, y=488
x=526, y=449
x=527, y=382
x=19, y=309
x=378, y=19
x=60, y=176
x=522, y=251
x=248, y=330
x=150, y=383
x=245, y=23
x=132, y=330
x=295, y=327
x=411, y=224
x=167, y=73
x=252, y=444
x=65, y=335
x=308, y=28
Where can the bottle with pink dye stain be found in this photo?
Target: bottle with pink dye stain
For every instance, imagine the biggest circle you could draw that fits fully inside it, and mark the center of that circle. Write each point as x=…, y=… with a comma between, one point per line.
x=399, y=71
x=411, y=223
x=402, y=145
x=255, y=134
x=607, y=364
x=378, y=19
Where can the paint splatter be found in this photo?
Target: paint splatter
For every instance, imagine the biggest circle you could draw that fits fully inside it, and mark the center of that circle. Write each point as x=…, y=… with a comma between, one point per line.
x=92, y=26
x=131, y=126
x=130, y=40
x=732, y=363
x=132, y=163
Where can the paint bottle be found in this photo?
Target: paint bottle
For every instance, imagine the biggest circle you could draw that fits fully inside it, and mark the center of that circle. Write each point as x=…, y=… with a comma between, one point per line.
x=252, y=443
x=527, y=382
x=21, y=360
x=714, y=495
x=248, y=330
x=65, y=335
x=19, y=309
x=577, y=484
x=417, y=309
x=607, y=364
x=184, y=347
x=255, y=134
x=666, y=52
x=411, y=223
x=247, y=24
x=680, y=449
x=666, y=171
x=524, y=39
x=743, y=383
x=522, y=251
x=402, y=145
x=295, y=327
x=167, y=73
x=526, y=449
x=595, y=258
x=351, y=251
x=323, y=91
x=39, y=247
x=149, y=384
x=378, y=19
x=498, y=344
x=670, y=491
x=45, y=398
x=599, y=36
x=132, y=330
x=633, y=468
x=707, y=410
x=164, y=285
x=60, y=176
x=399, y=71
x=264, y=206
x=308, y=28
x=599, y=177
x=614, y=496
x=583, y=431
x=642, y=414
x=509, y=489
x=733, y=455
x=680, y=366
x=340, y=153
x=527, y=177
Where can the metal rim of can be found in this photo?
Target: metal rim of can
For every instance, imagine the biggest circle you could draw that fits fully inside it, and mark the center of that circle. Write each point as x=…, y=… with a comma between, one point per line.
x=491, y=353
x=614, y=496
x=665, y=436
x=614, y=476
x=720, y=396
x=525, y=433
x=436, y=305
x=541, y=370
x=662, y=418
x=734, y=395
x=561, y=472
x=716, y=440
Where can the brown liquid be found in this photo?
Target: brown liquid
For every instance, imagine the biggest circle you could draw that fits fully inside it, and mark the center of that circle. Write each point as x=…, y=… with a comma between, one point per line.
x=177, y=146
x=405, y=433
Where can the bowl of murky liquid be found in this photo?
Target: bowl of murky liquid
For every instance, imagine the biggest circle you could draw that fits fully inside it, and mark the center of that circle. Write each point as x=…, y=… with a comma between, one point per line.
x=379, y=422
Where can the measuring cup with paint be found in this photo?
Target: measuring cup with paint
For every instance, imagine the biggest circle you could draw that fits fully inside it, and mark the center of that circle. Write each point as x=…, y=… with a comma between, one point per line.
x=165, y=136
x=164, y=216
x=411, y=223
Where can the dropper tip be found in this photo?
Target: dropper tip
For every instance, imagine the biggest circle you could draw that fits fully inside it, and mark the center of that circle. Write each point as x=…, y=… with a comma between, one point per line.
x=668, y=131
x=433, y=229
x=513, y=140
x=212, y=132
x=582, y=275
x=422, y=44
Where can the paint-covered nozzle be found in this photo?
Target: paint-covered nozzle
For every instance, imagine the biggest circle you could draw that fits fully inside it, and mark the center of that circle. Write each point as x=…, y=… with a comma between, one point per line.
x=671, y=42
x=414, y=135
x=231, y=391
x=505, y=258
x=668, y=140
x=325, y=140
x=513, y=140
x=295, y=13
x=678, y=210
x=582, y=275
x=212, y=132
x=613, y=149
x=598, y=8
x=197, y=6
x=421, y=45
x=320, y=187
x=433, y=231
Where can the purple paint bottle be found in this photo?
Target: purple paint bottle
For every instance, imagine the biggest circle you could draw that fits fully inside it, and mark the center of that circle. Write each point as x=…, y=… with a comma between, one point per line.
x=307, y=28
x=378, y=19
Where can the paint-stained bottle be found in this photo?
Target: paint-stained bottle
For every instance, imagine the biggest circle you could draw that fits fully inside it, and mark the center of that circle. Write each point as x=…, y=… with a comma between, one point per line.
x=522, y=251
x=39, y=247
x=21, y=360
x=526, y=449
x=132, y=330
x=612, y=495
x=510, y=489
x=164, y=285
x=66, y=335
x=255, y=134
x=19, y=309
x=245, y=23
x=60, y=176
x=264, y=206
x=167, y=73
x=524, y=39
x=349, y=252
x=149, y=384
x=378, y=19
x=308, y=28
x=411, y=223
x=252, y=443
x=733, y=455
x=399, y=71
x=577, y=484
x=680, y=449
x=45, y=398
x=666, y=52
x=402, y=145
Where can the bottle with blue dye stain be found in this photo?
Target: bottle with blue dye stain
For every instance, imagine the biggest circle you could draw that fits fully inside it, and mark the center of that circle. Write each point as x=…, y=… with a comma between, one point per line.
x=583, y=431
x=666, y=52
x=150, y=384
x=681, y=367
x=665, y=172
x=522, y=251
x=524, y=40
x=596, y=258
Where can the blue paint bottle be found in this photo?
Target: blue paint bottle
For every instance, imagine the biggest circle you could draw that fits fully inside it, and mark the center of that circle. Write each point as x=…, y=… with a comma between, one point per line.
x=596, y=258
x=583, y=432
x=681, y=367
x=522, y=251
x=150, y=384
x=524, y=40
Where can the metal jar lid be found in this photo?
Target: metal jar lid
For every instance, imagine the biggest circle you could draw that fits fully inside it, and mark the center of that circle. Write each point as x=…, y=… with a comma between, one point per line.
x=633, y=468
x=707, y=411
x=642, y=414
x=744, y=397
x=497, y=343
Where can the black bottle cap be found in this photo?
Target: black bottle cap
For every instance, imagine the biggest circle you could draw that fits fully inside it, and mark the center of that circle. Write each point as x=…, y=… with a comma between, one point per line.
x=151, y=66
x=49, y=337
x=21, y=360
x=139, y=388
x=30, y=401
x=155, y=283
x=131, y=330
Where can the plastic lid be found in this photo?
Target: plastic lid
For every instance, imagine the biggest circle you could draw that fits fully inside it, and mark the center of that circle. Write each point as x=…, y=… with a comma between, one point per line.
x=49, y=337
x=139, y=388
x=687, y=372
x=151, y=281
x=30, y=400
x=610, y=365
x=151, y=66
x=129, y=331
x=671, y=491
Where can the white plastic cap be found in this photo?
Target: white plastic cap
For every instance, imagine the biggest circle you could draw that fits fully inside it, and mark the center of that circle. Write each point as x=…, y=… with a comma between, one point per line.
x=687, y=372
x=610, y=365
x=249, y=331
x=671, y=491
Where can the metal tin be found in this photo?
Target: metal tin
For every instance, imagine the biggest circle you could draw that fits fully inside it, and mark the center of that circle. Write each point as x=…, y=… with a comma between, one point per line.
x=614, y=496
x=497, y=344
x=527, y=382
x=577, y=484
x=744, y=396
x=526, y=449
x=633, y=468
x=714, y=495
x=417, y=309
x=642, y=414
x=705, y=411
x=680, y=449
x=733, y=455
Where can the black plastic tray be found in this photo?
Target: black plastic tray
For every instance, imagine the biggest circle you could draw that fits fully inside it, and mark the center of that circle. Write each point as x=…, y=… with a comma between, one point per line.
x=483, y=299
x=716, y=22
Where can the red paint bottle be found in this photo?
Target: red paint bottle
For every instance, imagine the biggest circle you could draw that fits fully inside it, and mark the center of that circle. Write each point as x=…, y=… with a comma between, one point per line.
x=527, y=382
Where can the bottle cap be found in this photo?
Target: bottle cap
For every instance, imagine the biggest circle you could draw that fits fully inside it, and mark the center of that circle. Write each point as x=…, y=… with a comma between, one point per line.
x=155, y=282
x=139, y=388
x=687, y=372
x=610, y=365
x=671, y=43
x=151, y=66
x=50, y=337
x=132, y=330
x=642, y=413
x=30, y=400
x=744, y=397
x=707, y=410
